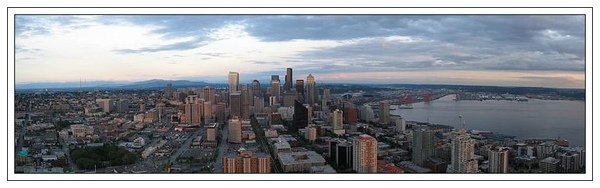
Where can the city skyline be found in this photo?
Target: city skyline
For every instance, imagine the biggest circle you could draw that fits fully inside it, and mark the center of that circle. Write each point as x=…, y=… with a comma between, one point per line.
x=537, y=51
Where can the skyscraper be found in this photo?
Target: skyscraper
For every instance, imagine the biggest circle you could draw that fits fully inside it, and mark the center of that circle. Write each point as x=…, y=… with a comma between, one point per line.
x=209, y=95
x=499, y=160
x=423, y=146
x=169, y=91
x=288, y=79
x=384, y=112
x=193, y=110
x=337, y=122
x=245, y=102
x=311, y=90
x=300, y=91
x=235, y=104
x=365, y=154
x=235, y=131
x=234, y=81
x=462, y=154
x=276, y=89
x=300, y=118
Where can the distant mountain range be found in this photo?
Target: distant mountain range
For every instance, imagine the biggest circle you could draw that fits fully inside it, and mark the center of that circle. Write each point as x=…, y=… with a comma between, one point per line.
x=147, y=84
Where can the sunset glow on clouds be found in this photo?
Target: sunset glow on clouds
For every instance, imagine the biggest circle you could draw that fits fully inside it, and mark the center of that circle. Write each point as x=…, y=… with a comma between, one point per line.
x=545, y=51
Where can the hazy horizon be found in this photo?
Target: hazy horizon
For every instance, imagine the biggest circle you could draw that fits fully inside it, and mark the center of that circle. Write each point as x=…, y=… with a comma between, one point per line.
x=492, y=50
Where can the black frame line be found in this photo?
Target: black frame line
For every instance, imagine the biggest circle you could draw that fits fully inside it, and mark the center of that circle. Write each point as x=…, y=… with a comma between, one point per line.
x=357, y=8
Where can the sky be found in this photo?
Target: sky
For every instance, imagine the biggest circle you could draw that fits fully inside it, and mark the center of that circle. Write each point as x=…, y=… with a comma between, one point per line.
x=498, y=50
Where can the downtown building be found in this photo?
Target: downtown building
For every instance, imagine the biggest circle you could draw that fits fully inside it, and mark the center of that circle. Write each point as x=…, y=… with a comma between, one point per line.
x=247, y=162
x=498, y=160
x=462, y=154
x=423, y=146
x=364, y=154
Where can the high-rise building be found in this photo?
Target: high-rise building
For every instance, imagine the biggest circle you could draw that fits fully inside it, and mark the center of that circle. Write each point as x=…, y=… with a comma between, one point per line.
x=247, y=162
x=423, y=146
x=245, y=106
x=235, y=104
x=326, y=94
x=311, y=133
x=107, y=105
x=462, y=154
x=169, y=91
x=400, y=124
x=570, y=162
x=366, y=113
x=351, y=115
x=365, y=154
x=275, y=77
x=256, y=90
x=498, y=160
x=234, y=81
x=209, y=95
x=550, y=165
x=259, y=105
x=288, y=80
x=276, y=89
x=288, y=98
x=211, y=132
x=208, y=111
x=337, y=122
x=384, y=112
x=300, y=118
x=235, y=131
x=340, y=153
x=311, y=90
x=193, y=110
x=300, y=86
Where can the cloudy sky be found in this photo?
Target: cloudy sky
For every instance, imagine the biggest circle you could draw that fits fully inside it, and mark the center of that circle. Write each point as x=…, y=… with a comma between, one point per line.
x=508, y=50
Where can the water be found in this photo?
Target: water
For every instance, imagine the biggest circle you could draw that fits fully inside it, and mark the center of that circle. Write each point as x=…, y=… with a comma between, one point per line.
x=532, y=119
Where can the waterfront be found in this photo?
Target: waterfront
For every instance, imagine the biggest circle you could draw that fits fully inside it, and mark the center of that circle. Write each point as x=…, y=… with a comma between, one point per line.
x=532, y=119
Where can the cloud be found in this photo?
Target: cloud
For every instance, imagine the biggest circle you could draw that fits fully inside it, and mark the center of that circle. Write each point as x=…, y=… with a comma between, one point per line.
x=322, y=44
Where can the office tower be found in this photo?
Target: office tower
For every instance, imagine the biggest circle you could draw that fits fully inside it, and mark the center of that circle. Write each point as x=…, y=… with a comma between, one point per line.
x=160, y=107
x=300, y=86
x=288, y=80
x=193, y=110
x=384, y=112
x=221, y=112
x=235, y=131
x=423, y=146
x=259, y=105
x=365, y=154
x=245, y=108
x=207, y=111
x=326, y=94
x=311, y=90
x=169, y=91
x=498, y=160
x=276, y=89
x=300, y=118
x=570, y=162
x=311, y=133
x=366, y=113
x=288, y=98
x=122, y=105
x=550, y=165
x=344, y=155
x=256, y=90
x=337, y=122
x=462, y=154
x=235, y=104
x=209, y=95
x=234, y=81
x=275, y=77
x=351, y=115
x=211, y=132
x=247, y=162
x=107, y=105
x=400, y=124
x=273, y=101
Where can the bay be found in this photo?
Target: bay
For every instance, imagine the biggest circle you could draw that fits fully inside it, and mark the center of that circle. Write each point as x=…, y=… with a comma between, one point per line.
x=532, y=119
